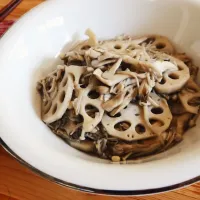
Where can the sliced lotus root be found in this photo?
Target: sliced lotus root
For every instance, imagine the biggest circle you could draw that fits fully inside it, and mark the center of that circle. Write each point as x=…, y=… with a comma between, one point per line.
x=114, y=102
x=76, y=71
x=188, y=61
x=129, y=126
x=190, y=101
x=162, y=44
x=54, y=109
x=174, y=81
x=86, y=101
x=127, y=46
x=121, y=46
x=159, y=117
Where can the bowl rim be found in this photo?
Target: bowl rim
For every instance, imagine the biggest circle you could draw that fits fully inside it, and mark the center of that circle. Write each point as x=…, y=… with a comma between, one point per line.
x=98, y=191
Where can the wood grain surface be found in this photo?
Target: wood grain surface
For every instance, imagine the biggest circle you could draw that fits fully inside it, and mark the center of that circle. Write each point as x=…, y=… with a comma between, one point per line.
x=25, y=6
x=19, y=183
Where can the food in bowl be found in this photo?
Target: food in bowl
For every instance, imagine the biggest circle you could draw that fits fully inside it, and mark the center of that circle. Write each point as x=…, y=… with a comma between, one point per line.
x=124, y=98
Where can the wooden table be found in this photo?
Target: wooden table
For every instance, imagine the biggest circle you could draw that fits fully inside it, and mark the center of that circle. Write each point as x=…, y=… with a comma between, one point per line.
x=19, y=183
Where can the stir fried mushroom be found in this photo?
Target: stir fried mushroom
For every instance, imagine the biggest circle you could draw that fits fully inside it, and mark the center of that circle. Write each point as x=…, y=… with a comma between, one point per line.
x=86, y=146
x=182, y=123
x=191, y=86
x=177, y=108
x=109, y=77
x=146, y=147
x=127, y=99
x=193, y=121
x=121, y=99
x=102, y=90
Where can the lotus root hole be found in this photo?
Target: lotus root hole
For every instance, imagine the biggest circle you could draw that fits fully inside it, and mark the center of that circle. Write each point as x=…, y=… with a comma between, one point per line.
x=122, y=126
x=93, y=94
x=62, y=75
x=54, y=109
x=160, y=46
x=155, y=122
x=62, y=96
x=163, y=81
x=140, y=129
x=91, y=110
x=114, y=116
x=173, y=76
x=117, y=46
x=83, y=86
x=124, y=66
x=157, y=110
x=86, y=47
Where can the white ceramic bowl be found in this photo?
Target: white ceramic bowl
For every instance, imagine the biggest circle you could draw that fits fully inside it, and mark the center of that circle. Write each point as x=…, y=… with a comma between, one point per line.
x=35, y=41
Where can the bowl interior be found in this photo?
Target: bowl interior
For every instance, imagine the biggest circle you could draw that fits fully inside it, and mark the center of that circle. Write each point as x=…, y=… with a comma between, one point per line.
x=30, y=50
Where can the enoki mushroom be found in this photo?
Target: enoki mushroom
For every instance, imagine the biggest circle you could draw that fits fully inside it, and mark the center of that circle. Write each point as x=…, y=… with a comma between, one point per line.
x=121, y=99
